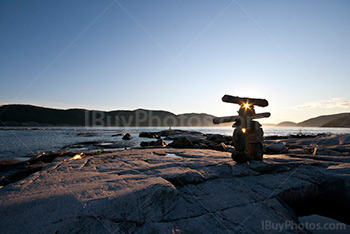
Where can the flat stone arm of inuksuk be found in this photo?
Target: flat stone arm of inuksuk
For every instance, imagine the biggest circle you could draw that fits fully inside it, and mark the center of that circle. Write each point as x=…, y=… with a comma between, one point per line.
x=227, y=119
x=244, y=100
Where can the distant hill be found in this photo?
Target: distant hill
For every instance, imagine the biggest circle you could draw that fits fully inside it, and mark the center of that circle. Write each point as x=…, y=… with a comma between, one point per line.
x=268, y=125
x=28, y=115
x=343, y=121
x=287, y=124
x=325, y=120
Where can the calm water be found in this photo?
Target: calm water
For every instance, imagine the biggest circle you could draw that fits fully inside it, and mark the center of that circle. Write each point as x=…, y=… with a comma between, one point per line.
x=19, y=142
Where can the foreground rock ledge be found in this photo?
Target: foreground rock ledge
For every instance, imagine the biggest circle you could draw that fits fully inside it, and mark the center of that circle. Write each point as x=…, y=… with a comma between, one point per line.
x=185, y=191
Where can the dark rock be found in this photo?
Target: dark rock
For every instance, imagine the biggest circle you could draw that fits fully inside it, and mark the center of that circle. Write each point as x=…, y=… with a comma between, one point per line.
x=241, y=156
x=323, y=150
x=183, y=179
x=159, y=142
x=147, y=143
x=170, y=132
x=201, y=145
x=294, y=146
x=182, y=142
x=194, y=137
x=256, y=150
x=220, y=147
x=254, y=143
x=148, y=134
x=9, y=161
x=340, y=148
x=277, y=148
x=119, y=134
x=215, y=137
x=261, y=167
x=88, y=143
x=239, y=140
x=297, y=151
x=20, y=174
x=48, y=157
x=88, y=134
x=127, y=137
x=117, y=144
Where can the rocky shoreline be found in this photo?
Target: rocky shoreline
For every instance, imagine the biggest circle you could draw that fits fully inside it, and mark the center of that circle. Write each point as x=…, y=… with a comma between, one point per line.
x=189, y=185
x=322, y=144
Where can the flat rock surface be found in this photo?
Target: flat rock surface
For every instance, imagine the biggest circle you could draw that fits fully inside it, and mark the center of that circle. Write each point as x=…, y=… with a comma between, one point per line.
x=175, y=191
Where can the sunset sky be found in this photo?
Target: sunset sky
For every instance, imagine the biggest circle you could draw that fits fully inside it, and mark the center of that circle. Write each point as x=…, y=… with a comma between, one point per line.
x=181, y=56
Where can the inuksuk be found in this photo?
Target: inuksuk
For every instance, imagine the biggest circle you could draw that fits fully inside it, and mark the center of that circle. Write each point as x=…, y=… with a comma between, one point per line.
x=248, y=134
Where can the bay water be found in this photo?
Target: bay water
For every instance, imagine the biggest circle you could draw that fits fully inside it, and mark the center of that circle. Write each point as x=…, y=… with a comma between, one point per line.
x=17, y=142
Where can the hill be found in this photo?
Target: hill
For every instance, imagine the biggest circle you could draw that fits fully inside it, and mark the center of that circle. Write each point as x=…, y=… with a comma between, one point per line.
x=28, y=115
x=287, y=124
x=343, y=121
x=324, y=120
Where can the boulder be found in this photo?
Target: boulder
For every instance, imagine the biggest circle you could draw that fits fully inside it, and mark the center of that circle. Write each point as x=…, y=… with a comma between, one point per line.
x=323, y=150
x=239, y=140
x=277, y=148
x=341, y=148
x=201, y=145
x=177, y=134
x=297, y=151
x=255, y=135
x=295, y=146
x=117, y=144
x=241, y=157
x=255, y=150
x=261, y=167
x=88, y=134
x=215, y=137
x=118, y=134
x=148, y=134
x=147, y=143
x=182, y=142
x=50, y=156
x=220, y=147
x=127, y=137
x=170, y=132
x=159, y=142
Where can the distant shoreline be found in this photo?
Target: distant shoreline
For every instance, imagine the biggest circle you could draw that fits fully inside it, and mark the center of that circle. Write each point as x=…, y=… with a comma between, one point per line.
x=38, y=127
x=17, y=115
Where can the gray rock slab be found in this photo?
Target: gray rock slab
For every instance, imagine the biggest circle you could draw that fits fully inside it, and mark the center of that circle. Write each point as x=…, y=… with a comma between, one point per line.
x=144, y=191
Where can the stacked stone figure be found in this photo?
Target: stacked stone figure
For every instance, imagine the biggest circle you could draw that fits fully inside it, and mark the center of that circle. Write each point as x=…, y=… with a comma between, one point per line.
x=248, y=134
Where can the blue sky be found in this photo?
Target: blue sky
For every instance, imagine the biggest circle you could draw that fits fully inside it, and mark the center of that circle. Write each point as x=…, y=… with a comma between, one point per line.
x=181, y=56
